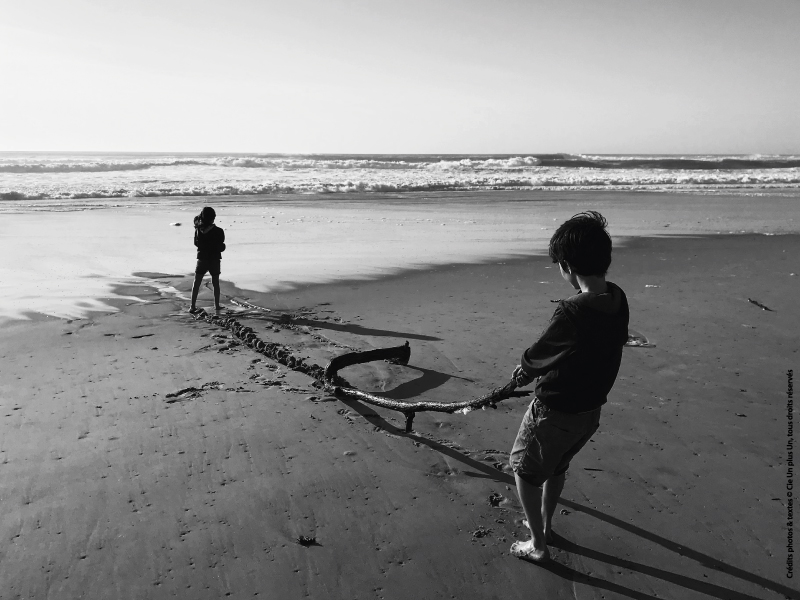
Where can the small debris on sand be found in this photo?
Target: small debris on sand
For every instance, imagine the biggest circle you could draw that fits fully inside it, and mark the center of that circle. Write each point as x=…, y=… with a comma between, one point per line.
x=192, y=392
x=638, y=340
x=480, y=532
x=759, y=305
x=305, y=540
x=189, y=390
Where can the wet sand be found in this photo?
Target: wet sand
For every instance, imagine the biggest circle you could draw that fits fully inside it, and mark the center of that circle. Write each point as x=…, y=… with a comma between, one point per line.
x=111, y=489
x=67, y=255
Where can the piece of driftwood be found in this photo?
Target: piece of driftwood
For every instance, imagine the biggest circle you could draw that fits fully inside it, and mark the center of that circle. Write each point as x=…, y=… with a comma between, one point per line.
x=333, y=383
x=401, y=355
x=410, y=409
x=397, y=354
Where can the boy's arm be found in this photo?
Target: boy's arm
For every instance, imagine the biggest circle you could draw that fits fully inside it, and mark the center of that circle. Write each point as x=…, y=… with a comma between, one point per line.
x=555, y=343
x=222, y=241
x=520, y=377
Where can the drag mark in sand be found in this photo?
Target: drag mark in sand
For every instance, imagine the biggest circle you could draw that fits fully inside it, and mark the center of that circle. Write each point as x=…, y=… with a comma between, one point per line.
x=331, y=382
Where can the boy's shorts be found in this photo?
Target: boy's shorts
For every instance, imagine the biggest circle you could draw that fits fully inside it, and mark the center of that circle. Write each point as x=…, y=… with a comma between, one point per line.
x=547, y=441
x=207, y=266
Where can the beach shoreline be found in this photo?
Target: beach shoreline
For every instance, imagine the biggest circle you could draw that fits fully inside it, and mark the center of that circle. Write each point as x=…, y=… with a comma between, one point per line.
x=68, y=263
x=115, y=490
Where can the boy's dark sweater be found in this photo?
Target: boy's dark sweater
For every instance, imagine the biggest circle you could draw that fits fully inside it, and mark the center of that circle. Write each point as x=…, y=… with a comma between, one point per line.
x=577, y=357
x=210, y=245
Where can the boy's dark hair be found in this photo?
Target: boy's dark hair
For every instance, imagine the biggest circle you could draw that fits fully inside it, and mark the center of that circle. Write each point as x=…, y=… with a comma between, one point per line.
x=208, y=215
x=583, y=243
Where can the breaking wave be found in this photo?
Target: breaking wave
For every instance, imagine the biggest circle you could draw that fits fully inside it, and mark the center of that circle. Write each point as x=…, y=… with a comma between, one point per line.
x=110, y=163
x=62, y=176
x=255, y=162
x=572, y=182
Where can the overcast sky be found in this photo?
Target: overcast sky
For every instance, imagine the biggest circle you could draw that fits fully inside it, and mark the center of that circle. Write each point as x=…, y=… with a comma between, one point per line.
x=422, y=76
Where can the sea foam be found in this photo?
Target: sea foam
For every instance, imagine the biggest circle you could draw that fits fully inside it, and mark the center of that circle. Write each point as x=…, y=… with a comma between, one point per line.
x=65, y=176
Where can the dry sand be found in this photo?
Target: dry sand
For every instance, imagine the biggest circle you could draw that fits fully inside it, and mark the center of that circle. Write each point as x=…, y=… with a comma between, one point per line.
x=110, y=489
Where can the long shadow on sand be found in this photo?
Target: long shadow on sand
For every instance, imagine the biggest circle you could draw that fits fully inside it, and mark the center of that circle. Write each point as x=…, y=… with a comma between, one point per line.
x=703, y=587
x=488, y=472
x=359, y=330
x=411, y=389
x=704, y=559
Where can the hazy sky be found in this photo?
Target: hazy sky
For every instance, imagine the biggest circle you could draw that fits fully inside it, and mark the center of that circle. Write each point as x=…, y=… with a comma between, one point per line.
x=460, y=76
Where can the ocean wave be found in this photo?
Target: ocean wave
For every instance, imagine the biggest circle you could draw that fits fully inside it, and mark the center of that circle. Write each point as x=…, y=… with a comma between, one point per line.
x=88, y=166
x=278, y=163
x=222, y=161
x=469, y=164
x=436, y=163
x=689, y=163
x=377, y=164
x=310, y=163
x=585, y=180
x=70, y=167
x=31, y=177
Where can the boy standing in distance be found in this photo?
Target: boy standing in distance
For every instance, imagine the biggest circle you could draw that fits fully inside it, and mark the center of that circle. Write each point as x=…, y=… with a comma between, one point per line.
x=210, y=242
x=576, y=360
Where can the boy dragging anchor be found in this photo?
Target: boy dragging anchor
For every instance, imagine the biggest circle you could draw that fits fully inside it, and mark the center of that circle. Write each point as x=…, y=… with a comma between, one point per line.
x=210, y=242
x=576, y=361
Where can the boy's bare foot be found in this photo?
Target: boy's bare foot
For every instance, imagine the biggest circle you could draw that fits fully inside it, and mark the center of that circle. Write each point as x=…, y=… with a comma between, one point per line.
x=548, y=533
x=527, y=551
x=194, y=310
x=218, y=308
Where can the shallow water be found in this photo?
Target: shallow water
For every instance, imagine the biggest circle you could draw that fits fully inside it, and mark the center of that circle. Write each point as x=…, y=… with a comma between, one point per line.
x=64, y=262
